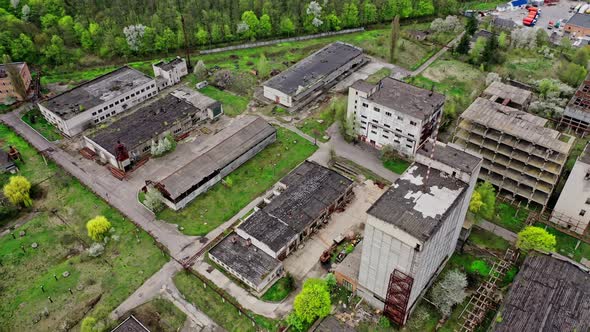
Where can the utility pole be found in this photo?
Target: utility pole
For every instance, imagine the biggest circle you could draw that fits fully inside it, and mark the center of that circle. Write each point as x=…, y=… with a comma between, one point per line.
x=186, y=45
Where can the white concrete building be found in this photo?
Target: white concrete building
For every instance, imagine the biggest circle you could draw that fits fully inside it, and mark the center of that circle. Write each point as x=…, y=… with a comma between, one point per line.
x=394, y=113
x=97, y=100
x=412, y=230
x=572, y=210
x=310, y=75
x=169, y=73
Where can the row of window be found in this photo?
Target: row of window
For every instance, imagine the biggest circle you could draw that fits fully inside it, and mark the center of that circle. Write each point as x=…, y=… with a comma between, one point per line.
x=97, y=120
x=378, y=110
x=123, y=99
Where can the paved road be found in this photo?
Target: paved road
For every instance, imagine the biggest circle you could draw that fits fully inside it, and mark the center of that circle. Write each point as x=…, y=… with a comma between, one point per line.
x=498, y=230
x=435, y=57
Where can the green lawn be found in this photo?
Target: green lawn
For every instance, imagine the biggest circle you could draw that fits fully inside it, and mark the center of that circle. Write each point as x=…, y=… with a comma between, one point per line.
x=397, y=166
x=223, y=313
x=488, y=240
x=508, y=217
x=35, y=119
x=250, y=180
x=483, y=5
x=160, y=315
x=317, y=124
x=233, y=104
x=98, y=285
x=83, y=75
x=528, y=66
x=566, y=245
x=280, y=290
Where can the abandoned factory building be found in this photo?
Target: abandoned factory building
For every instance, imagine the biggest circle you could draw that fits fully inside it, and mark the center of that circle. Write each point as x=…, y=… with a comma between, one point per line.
x=169, y=73
x=522, y=157
x=394, y=113
x=412, y=229
x=312, y=74
x=129, y=139
x=221, y=154
x=302, y=201
x=577, y=111
x=550, y=293
x=97, y=100
x=508, y=95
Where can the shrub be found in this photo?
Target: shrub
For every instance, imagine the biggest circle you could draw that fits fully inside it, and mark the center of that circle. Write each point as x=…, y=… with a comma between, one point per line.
x=95, y=250
x=449, y=291
x=479, y=267
x=384, y=322
x=17, y=191
x=154, y=200
x=313, y=301
x=88, y=324
x=98, y=228
x=536, y=238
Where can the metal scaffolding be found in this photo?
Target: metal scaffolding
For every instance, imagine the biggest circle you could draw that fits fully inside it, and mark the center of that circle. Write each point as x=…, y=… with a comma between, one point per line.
x=398, y=296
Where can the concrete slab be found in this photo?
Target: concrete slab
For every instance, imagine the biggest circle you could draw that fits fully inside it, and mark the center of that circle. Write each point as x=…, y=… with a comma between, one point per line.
x=304, y=262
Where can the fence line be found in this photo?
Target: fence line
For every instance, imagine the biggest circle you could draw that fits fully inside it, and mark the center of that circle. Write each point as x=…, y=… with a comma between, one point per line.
x=282, y=40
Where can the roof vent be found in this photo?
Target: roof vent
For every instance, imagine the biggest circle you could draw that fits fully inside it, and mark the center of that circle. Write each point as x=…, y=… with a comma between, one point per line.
x=234, y=239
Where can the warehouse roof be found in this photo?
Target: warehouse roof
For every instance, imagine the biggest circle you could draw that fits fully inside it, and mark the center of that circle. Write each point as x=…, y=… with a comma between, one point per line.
x=223, y=148
x=418, y=204
x=314, y=68
x=550, y=293
x=167, y=66
x=406, y=98
x=504, y=91
x=311, y=189
x=95, y=92
x=579, y=19
x=515, y=123
x=147, y=122
x=452, y=155
x=244, y=258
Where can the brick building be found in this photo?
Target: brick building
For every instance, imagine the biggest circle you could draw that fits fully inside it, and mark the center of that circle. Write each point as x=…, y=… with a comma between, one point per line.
x=6, y=88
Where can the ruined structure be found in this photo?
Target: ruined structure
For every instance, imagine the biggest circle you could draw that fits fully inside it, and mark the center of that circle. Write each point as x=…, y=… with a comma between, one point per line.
x=169, y=73
x=577, y=112
x=508, y=95
x=522, y=157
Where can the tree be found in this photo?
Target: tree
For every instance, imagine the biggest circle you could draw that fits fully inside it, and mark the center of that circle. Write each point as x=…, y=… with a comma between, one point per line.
x=17, y=191
x=134, y=35
x=523, y=38
x=15, y=78
x=88, y=324
x=287, y=26
x=503, y=40
x=166, y=41
x=395, y=34
x=581, y=56
x=535, y=238
x=571, y=73
x=476, y=51
x=487, y=196
x=463, y=45
x=449, y=291
x=475, y=203
x=350, y=15
x=424, y=8
x=295, y=321
x=332, y=22
x=98, y=228
x=330, y=280
x=250, y=19
x=22, y=48
x=55, y=52
x=490, y=54
x=565, y=43
x=369, y=12
x=202, y=36
x=263, y=67
x=541, y=37
x=471, y=25
x=265, y=26
x=313, y=301
x=154, y=200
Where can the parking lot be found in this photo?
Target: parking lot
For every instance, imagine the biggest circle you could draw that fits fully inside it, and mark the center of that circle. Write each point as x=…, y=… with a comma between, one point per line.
x=560, y=11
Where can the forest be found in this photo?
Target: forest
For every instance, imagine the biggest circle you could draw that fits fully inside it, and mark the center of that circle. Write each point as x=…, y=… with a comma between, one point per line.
x=67, y=34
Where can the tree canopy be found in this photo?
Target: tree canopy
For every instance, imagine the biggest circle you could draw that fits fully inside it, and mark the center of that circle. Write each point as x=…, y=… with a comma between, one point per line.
x=313, y=301
x=483, y=200
x=98, y=228
x=17, y=191
x=536, y=238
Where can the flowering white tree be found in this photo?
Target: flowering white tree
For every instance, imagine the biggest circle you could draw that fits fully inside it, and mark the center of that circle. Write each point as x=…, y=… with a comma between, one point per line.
x=524, y=38
x=243, y=27
x=449, y=291
x=14, y=3
x=134, y=34
x=315, y=9
x=26, y=11
x=154, y=200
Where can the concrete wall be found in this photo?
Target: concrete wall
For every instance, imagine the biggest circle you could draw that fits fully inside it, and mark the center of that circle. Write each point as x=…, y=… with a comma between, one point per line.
x=223, y=173
x=270, y=278
x=102, y=112
x=574, y=198
x=6, y=88
x=278, y=96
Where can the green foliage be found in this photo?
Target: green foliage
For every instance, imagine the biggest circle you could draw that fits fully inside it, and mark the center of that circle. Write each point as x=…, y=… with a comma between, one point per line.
x=471, y=25
x=250, y=18
x=463, y=45
x=477, y=50
x=313, y=301
x=480, y=267
x=536, y=238
x=350, y=15
x=384, y=322
x=280, y=290
x=154, y=200
x=17, y=191
x=571, y=73
x=487, y=197
x=263, y=67
x=491, y=54
x=287, y=26
x=265, y=27
x=582, y=56
x=503, y=40
x=98, y=227
x=88, y=324
x=330, y=280
x=475, y=203
x=294, y=321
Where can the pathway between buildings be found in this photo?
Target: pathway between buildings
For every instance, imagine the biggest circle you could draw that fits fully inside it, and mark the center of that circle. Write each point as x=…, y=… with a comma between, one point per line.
x=435, y=57
x=498, y=230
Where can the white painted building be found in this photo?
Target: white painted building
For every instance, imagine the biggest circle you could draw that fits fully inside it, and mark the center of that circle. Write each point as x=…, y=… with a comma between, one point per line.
x=572, y=210
x=412, y=230
x=394, y=113
x=169, y=73
x=97, y=100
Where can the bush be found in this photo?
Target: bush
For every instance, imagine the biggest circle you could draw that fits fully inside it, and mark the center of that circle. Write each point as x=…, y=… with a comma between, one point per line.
x=98, y=228
x=479, y=267
x=17, y=191
x=95, y=250
x=536, y=238
x=449, y=291
x=88, y=324
x=154, y=200
x=384, y=322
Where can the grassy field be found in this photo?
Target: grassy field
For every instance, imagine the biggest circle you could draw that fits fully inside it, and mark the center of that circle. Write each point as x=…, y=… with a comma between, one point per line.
x=233, y=104
x=98, y=285
x=160, y=315
x=488, y=240
x=250, y=180
x=397, y=166
x=280, y=290
x=317, y=124
x=80, y=76
x=483, y=5
x=527, y=66
x=41, y=125
x=510, y=218
x=223, y=313
x=568, y=245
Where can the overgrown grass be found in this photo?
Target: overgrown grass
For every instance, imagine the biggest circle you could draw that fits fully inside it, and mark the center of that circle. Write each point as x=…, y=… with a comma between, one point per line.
x=488, y=240
x=98, y=285
x=223, y=313
x=397, y=166
x=527, y=66
x=568, y=245
x=81, y=76
x=280, y=290
x=160, y=315
x=37, y=121
x=483, y=5
x=317, y=124
x=250, y=180
x=510, y=218
x=233, y=104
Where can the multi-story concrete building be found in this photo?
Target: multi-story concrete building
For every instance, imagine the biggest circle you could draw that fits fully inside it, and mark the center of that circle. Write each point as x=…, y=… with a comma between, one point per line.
x=97, y=100
x=169, y=73
x=522, y=157
x=508, y=95
x=412, y=230
x=220, y=155
x=394, y=113
x=129, y=139
x=6, y=88
x=577, y=112
x=310, y=76
x=572, y=210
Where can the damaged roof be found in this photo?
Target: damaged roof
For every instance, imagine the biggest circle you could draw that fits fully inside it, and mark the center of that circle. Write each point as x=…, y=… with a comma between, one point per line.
x=418, y=205
x=406, y=98
x=244, y=258
x=550, y=293
x=500, y=90
x=167, y=66
x=311, y=189
x=221, y=149
x=452, y=155
x=314, y=68
x=95, y=92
